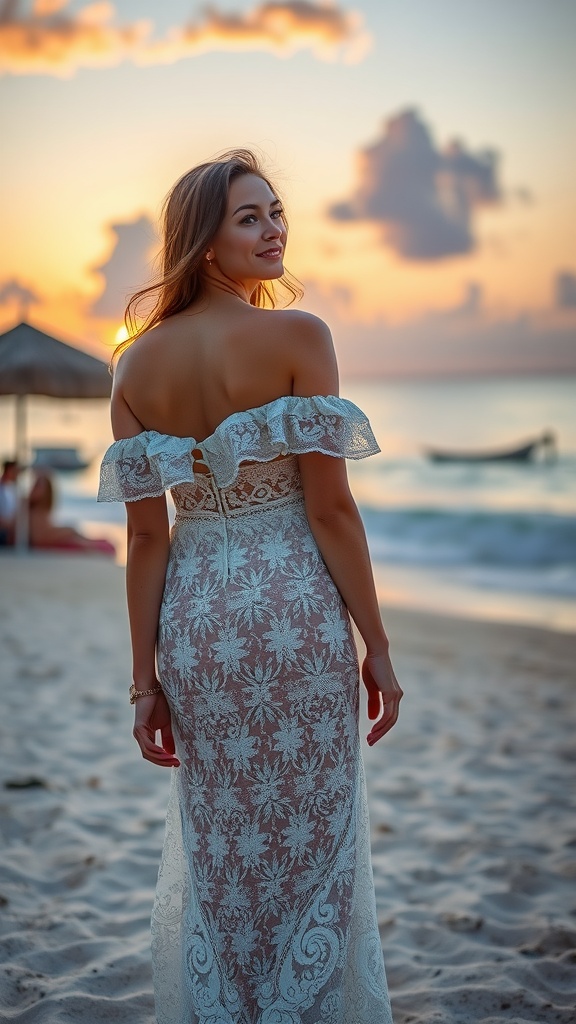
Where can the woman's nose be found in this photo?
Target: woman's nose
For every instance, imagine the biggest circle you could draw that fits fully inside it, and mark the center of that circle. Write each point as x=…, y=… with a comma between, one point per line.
x=273, y=229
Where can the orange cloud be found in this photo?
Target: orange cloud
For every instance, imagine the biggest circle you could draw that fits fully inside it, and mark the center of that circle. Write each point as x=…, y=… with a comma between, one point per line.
x=459, y=340
x=280, y=28
x=42, y=7
x=49, y=42
x=52, y=41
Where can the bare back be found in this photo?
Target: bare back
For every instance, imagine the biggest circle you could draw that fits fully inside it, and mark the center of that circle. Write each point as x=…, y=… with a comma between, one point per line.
x=195, y=369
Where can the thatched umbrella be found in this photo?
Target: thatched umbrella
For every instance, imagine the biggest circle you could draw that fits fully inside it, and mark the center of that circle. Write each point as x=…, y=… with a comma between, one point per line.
x=34, y=363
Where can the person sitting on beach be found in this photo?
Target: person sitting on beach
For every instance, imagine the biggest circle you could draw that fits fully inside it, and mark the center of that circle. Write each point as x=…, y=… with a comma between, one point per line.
x=43, y=533
x=8, y=501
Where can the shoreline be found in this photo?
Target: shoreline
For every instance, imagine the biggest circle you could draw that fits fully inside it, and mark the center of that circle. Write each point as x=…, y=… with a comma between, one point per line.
x=471, y=802
x=414, y=589
x=451, y=598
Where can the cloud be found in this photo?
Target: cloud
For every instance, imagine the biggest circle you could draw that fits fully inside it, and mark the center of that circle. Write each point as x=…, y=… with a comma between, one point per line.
x=424, y=198
x=50, y=40
x=13, y=291
x=460, y=340
x=281, y=28
x=127, y=268
x=42, y=7
x=565, y=290
x=470, y=304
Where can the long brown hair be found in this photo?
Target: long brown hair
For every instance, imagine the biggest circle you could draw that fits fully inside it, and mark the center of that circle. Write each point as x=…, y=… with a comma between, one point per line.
x=191, y=215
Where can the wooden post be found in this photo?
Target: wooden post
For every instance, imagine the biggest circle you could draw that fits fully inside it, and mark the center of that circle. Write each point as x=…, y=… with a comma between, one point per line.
x=21, y=538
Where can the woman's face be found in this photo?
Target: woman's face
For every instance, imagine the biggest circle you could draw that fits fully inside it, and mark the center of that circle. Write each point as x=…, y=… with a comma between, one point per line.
x=249, y=245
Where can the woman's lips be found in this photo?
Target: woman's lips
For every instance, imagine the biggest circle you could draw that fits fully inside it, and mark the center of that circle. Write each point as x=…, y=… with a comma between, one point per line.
x=270, y=254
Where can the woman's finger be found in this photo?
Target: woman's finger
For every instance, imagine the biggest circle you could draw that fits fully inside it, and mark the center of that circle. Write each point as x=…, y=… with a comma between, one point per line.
x=151, y=751
x=385, y=723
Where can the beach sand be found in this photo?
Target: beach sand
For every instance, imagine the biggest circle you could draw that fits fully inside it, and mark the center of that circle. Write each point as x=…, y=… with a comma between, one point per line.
x=471, y=799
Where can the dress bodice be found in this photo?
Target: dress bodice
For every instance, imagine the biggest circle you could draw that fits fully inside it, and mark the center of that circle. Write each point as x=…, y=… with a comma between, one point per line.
x=257, y=487
x=150, y=463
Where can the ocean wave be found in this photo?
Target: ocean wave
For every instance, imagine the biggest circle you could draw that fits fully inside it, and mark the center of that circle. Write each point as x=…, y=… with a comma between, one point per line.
x=441, y=537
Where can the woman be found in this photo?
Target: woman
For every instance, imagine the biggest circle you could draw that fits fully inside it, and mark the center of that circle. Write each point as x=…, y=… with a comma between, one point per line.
x=264, y=910
x=43, y=533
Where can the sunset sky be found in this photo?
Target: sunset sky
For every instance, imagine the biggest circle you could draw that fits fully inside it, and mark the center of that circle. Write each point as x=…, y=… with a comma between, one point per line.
x=425, y=148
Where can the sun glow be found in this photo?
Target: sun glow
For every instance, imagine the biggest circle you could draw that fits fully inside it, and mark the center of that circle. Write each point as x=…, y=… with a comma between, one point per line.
x=121, y=335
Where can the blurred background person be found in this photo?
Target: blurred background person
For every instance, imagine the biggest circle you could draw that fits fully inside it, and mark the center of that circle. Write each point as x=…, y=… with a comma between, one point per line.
x=8, y=501
x=44, y=533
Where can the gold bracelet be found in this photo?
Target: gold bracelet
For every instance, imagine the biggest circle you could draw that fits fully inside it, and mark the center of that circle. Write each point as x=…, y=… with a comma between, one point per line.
x=134, y=693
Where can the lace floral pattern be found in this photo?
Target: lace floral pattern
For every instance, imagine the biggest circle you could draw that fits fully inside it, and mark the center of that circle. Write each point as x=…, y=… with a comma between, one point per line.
x=264, y=897
x=150, y=463
x=253, y=489
x=264, y=910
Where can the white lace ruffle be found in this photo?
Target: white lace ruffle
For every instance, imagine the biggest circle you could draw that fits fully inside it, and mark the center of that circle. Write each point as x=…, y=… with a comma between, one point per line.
x=147, y=465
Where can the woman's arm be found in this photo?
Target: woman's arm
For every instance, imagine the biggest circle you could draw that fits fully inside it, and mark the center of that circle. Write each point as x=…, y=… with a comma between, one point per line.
x=339, y=532
x=148, y=548
x=147, y=559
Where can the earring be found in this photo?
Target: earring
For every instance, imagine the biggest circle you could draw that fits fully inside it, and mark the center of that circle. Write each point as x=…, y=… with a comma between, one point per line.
x=209, y=260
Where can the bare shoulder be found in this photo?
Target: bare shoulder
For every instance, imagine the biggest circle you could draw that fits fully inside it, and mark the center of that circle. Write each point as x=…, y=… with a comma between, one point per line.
x=305, y=334
x=137, y=358
x=308, y=341
x=303, y=324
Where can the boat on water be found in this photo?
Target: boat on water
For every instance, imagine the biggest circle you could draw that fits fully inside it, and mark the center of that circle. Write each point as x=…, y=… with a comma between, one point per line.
x=523, y=452
x=63, y=459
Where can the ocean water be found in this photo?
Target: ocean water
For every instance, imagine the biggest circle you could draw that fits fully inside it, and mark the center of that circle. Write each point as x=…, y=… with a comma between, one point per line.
x=491, y=540
x=495, y=540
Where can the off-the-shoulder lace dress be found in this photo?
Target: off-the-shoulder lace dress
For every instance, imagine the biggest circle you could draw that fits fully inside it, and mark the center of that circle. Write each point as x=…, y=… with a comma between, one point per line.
x=264, y=910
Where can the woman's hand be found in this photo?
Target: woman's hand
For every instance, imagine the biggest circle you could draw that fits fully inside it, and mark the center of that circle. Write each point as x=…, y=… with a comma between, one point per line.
x=153, y=714
x=384, y=694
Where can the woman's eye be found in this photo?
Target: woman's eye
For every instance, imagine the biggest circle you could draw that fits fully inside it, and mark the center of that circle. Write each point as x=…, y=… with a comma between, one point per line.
x=251, y=218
